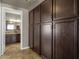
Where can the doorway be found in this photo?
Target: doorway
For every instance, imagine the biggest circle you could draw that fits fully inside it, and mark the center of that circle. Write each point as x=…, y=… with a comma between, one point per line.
x=12, y=28
x=12, y=35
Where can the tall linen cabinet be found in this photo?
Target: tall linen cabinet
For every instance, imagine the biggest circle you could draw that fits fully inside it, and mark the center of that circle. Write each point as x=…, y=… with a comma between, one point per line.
x=53, y=29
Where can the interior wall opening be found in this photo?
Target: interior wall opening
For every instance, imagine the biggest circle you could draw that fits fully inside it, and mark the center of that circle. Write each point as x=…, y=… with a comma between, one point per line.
x=13, y=31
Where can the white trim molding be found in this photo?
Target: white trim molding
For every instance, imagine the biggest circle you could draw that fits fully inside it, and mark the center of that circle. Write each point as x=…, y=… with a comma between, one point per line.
x=25, y=48
x=13, y=11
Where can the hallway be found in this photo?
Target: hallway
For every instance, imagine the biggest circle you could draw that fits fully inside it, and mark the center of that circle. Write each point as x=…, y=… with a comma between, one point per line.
x=13, y=52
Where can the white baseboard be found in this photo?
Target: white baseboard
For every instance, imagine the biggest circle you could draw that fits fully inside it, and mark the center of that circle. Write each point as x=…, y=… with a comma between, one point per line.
x=1, y=54
x=25, y=48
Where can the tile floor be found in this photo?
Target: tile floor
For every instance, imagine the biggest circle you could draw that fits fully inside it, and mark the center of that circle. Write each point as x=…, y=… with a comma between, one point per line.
x=13, y=52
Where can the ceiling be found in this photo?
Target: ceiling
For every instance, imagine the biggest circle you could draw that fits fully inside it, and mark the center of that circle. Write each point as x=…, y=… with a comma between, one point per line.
x=27, y=4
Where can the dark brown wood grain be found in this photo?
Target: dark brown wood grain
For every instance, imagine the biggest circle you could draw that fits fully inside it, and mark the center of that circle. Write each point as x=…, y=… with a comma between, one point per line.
x=46, y=11
x=31, y=18
x=37, y=15
x=31, y=40
x=12, y=38
x=64, y=8
x=18, y=37
x=54, y=29
x=37, y=38
x=64, y=40
x=31, y=30
x=46, y=40
x=77, y=7
x=78, y=39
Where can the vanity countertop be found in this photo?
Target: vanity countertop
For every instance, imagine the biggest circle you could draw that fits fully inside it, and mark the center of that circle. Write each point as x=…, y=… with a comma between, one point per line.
x=12, y=33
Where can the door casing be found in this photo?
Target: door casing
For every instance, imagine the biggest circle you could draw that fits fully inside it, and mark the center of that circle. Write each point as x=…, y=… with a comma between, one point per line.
x=13, y=11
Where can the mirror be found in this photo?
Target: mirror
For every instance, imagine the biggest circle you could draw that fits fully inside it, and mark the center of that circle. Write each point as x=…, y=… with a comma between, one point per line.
x=12, y=23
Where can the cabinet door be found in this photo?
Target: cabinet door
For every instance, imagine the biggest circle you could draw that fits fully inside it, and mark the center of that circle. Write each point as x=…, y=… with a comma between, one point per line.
x=78, y=7
x=78, y=36
x=31, y=17
x=46, y=40
x=18, y=37
x=37, y=38
x=37, y=15
x=65, y=40
x=64, y=8
x=31, y=29
x=31, y=40
x=46, y=11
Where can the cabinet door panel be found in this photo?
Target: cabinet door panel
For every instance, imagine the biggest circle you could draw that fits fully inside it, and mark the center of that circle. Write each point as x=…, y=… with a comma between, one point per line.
x=64, y=40
x=78, y=37
x=46, y=40
x=37, y=38
x=31, y=36
x=31, y=18
x=78, y=7
x=37, y=15
x=64, y=8
x=31, y=21
x=46, y=11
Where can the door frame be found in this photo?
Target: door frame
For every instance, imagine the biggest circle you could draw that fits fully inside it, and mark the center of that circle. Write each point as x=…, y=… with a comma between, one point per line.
x=13, y=11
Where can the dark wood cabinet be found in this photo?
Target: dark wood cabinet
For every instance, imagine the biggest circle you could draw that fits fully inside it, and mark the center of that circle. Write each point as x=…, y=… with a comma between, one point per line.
x=64, y=8
x=31, y=18
x=54, y=32
x=77, y=7
x=37, y=15
x=46, y=11
x=31, y=36
x=78, y=38
x=65, y=39
x=46, y=40
x=37, y=38
x=18, y=37
x=31, y=28
x=12, y=38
